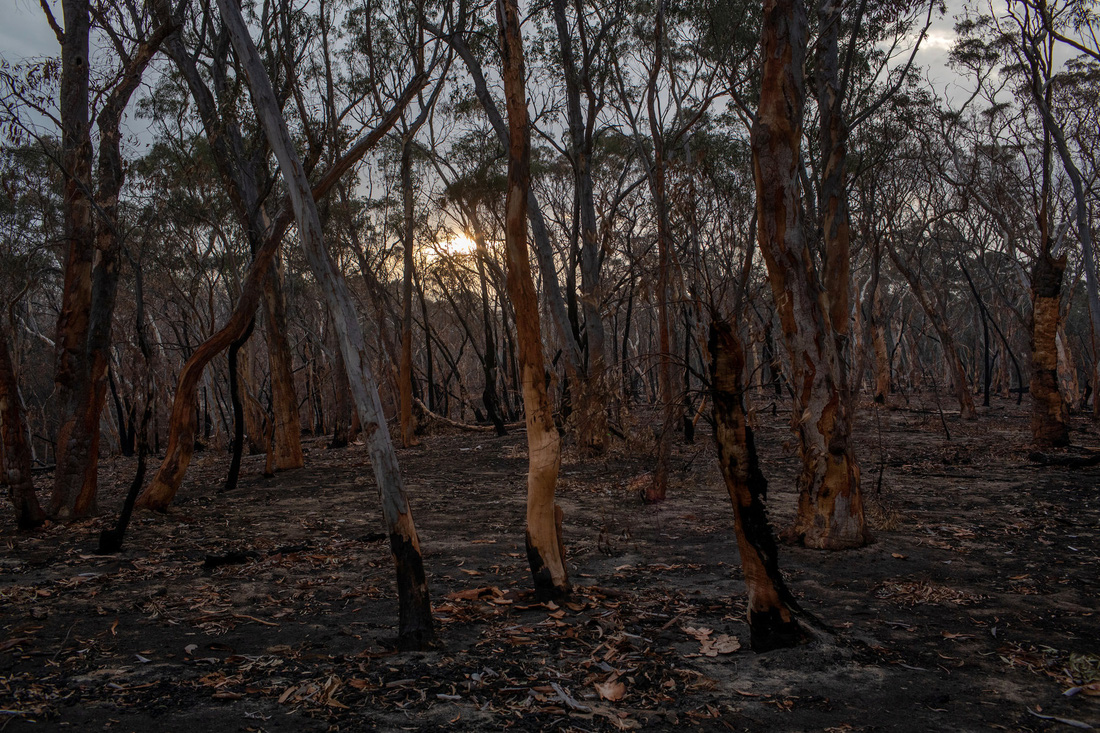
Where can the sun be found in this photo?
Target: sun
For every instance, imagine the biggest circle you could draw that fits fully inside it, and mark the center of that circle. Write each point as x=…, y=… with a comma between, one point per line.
x=459, y=244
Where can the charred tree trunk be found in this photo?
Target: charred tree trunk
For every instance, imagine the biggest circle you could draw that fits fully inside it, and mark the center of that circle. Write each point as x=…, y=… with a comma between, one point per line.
x=544, y=546
x=415, y=628
x=14, y=448
x=771, y=622
x=1049, y=414
x=238, y=409
x=830, y=508
x=405, y=375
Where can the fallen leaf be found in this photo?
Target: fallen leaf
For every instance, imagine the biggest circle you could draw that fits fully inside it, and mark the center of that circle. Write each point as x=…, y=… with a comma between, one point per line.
x=612, y=691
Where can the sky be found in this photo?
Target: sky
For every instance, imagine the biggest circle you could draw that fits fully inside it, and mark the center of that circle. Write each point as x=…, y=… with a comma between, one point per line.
x=24, y=33
x=23, y=29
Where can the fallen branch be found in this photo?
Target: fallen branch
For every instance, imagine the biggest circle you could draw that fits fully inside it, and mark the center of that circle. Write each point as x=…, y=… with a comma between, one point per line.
x=455, y=423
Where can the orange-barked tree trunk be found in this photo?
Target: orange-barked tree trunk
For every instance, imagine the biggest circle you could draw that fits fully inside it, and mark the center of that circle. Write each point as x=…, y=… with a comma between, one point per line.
x=544, y=546
x=72, y=376
x=415, y=629
x=85, y=324
x=771, y=622
x=830, y=514
x=287, y=429
x=1049, y=413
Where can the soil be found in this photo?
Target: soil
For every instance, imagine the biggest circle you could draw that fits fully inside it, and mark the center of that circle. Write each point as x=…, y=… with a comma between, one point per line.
x=272, y=608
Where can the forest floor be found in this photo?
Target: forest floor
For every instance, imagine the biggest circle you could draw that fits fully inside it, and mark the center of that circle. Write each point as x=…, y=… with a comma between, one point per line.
x=976, y=608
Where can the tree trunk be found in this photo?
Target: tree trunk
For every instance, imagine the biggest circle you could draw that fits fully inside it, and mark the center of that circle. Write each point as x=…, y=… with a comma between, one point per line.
x=830, y=507
x=1049, y=415
x=881, y=348
x=405, y=376
x=72, y=497
x=284, y=399
x=237, y=448
x=544, y=546
x=589, y=397
x=88, y=342
x=182, y=423
x=415, y=620
x=657, y=490
x=14, y=448
x=771, y=623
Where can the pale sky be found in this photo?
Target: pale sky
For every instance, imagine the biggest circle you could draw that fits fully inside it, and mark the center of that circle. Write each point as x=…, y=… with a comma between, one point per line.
x=24, y=33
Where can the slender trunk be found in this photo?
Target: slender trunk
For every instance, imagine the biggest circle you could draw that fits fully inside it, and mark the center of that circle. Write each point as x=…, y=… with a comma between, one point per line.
x=590, y=397
x=14, y=448
x=238, y=409
x=830, y=508
x=405, y=377
x=657, y=490
x=414, y=608
x=882, y=352
x=771, y=623
x=545, y=551
x=284, y=399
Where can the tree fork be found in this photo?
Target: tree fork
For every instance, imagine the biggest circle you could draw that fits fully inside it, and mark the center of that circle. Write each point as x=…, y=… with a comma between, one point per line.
x=182, y=424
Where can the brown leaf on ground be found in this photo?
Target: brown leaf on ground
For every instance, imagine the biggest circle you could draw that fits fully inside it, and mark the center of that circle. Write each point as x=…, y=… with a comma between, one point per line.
x=611, y=690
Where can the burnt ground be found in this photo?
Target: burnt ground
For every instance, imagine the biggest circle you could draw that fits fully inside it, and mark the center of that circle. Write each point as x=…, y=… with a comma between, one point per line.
x=975, y=609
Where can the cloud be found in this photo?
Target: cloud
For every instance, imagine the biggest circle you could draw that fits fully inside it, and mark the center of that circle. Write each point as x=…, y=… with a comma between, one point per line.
x=24, y=31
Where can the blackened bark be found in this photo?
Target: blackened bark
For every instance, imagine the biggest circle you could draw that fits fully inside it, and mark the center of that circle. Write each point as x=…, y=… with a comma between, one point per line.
x=238, y=408
x=771, y=607
x=14, y=448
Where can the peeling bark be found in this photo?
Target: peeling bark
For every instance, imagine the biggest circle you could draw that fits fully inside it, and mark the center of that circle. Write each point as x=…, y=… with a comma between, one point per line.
x=545, y=551
x=1049, y=414
x=830, y=505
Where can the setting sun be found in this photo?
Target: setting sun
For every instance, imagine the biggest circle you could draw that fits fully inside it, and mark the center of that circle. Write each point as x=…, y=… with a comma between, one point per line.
x=459, y=244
